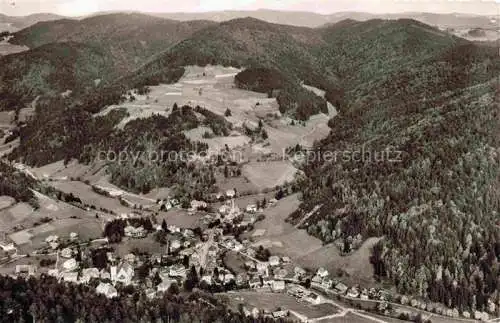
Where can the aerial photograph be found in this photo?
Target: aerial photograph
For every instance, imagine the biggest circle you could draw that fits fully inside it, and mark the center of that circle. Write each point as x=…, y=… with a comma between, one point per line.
x=253, y=161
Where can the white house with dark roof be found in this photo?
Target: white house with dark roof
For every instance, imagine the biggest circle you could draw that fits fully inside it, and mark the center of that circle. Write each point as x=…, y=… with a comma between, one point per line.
x=122, y=273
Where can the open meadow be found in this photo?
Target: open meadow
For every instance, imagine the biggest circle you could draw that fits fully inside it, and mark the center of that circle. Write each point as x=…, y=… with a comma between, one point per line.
x=273, y=301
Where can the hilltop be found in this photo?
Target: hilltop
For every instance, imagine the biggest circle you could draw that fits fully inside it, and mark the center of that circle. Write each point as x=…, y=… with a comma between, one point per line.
x=51, y=70
x=9, y=23
x=130, y=39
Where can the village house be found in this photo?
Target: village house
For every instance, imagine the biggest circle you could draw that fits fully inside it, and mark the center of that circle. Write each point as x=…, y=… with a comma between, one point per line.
x=241, y=279
x=299, y=273
x=353, y=292
x=104, y=274
x=322, y=272
x=29, y=270
x=280, y=314
x=130, y=258
x=133, y=232
x=274, y=261
x=70, y=265
x=262, y=268
x=173, y=229
x=111, y=256
x=278, y=286
x=230, y=194
x=88, y=274
x=317, y=279
x=53, y=272
x=52, y=241
x=177, y=271
x=198, y=205
x=268, y=281
x=73, y=236
x=251, y=208
x=286, y=260
x=228, y=278
x=255, y=283
x=165, y=285
x=482, y=316
x=280, y=273
x=107, y=290
x=296, y=290
x=174, y=245
x=207, y=279
x=150, y=293
x=313, y=298
x=250, y=265
x=327, y=283
x=251, y=252
x=342, y=288
x=122, y=273
x=70, y=277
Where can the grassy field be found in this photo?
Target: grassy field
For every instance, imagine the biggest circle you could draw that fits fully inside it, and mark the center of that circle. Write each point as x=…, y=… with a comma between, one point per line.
x=180, y=218
x=10, y=268
x=32, y=239
x=235, y=262
x=271, y=301
x=357, y=265
x=88, y=196
x=144, y=245
x=349, y=318
x=6, y=48
x=283, y=238
x=6, y=201
x=269, y=174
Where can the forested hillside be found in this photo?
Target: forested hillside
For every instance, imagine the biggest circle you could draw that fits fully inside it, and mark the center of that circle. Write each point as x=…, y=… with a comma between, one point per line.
x=430, y=103
x=50, y=70
x=17, y=185
x=130, y=39
x=253, y=43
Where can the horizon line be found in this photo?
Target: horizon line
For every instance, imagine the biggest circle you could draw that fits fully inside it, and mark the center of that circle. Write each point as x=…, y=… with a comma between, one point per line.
x=249, y=11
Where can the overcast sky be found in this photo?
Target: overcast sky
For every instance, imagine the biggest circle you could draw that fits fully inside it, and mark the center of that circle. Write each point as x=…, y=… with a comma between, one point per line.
x=83, y=7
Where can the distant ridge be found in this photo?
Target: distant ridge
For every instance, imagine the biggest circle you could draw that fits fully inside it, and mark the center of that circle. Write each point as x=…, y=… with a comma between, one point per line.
x=296, y=18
